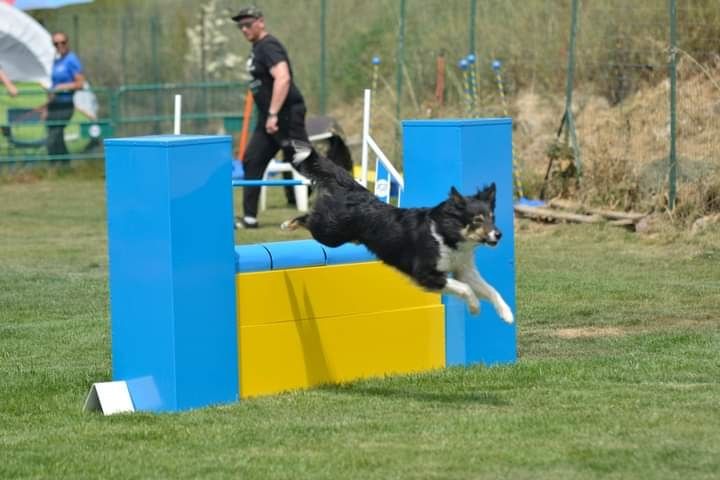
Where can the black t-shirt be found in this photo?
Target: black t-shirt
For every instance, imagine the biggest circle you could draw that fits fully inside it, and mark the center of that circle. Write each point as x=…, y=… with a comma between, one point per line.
x=267, y=53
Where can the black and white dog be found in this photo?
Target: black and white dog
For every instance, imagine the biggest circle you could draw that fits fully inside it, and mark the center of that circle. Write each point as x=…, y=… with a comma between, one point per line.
x=427, y=244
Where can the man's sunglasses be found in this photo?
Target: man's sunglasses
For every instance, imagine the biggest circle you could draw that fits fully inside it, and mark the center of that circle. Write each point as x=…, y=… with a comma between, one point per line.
x=63, y=42
x=246, y=24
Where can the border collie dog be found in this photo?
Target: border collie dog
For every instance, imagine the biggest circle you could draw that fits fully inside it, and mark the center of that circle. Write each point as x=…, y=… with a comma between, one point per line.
x=433, y=246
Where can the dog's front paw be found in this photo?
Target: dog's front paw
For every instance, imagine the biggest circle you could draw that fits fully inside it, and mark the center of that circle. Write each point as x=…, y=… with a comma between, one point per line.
x=288, y=225
x=506, y=314
x=474, y=307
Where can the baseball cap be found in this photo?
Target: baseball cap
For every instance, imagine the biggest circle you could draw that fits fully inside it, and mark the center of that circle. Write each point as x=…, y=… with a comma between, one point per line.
x=246, y=12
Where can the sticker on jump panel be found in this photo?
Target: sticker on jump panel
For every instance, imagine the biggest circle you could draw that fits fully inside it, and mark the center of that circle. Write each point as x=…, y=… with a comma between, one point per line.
x=382, y=188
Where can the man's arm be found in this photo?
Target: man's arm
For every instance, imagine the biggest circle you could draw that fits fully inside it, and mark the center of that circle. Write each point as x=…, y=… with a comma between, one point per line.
x=281, y=86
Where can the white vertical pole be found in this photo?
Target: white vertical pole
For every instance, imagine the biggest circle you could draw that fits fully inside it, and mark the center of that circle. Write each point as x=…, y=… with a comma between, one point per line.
x=365, y=135
x=178, y=113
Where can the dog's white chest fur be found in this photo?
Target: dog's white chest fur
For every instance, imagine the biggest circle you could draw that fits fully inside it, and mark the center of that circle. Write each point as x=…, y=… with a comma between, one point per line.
x=467, y=282
x=453, y=260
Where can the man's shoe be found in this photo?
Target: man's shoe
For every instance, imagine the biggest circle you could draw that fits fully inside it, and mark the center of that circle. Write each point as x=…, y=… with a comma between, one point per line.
x=244, y=223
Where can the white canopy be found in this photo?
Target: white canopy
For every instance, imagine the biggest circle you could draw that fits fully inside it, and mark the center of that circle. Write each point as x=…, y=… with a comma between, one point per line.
x=26, y=49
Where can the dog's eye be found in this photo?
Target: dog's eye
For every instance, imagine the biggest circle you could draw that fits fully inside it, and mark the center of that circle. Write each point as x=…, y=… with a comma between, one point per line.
x=479, y=218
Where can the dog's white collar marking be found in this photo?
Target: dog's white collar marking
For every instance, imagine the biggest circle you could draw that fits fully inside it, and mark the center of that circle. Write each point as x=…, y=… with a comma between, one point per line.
x=443, y=261
x=450, y=259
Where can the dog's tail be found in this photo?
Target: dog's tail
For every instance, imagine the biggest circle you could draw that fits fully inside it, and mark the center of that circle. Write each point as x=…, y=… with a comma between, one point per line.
x=305, y=159
x=318, y=169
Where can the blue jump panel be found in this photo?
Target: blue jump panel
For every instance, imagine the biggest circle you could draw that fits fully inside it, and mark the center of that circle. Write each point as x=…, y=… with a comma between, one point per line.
x=252, y=258
x=296, y=253
x=468, y=154
x=172, y=268
x=348, y=253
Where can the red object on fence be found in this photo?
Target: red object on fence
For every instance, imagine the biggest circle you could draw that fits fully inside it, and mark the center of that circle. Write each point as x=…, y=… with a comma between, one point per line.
x=440, y=80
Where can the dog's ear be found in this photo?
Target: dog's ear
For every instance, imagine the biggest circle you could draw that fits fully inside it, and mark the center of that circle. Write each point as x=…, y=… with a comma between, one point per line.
x=456, y=196
x=487, y=194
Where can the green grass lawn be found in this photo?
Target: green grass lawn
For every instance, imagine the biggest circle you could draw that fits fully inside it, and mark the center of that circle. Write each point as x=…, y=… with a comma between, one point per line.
x=618, y=375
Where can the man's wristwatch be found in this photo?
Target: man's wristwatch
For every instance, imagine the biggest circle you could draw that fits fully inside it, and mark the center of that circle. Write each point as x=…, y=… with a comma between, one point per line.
x=272, y=114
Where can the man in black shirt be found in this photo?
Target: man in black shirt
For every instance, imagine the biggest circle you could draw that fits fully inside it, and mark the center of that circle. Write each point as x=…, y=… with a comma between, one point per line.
x=280, y=106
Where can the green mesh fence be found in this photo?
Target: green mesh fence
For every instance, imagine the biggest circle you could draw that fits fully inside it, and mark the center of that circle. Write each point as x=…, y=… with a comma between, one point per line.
x=208, y=108
x=620, y=81
x=623, y=106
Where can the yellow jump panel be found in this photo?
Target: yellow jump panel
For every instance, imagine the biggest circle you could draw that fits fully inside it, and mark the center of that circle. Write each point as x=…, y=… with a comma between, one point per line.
x=303, y=327
x=316, y=292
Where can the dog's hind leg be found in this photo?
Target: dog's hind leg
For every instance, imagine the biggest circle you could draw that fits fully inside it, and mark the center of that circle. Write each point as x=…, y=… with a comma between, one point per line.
x=294, y=223
x=486, y=291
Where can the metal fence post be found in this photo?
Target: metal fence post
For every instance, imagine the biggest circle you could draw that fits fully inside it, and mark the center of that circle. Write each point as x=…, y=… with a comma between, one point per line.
x=569, y=118
x=672, y=67
x=123, y=49
x=471, y=39
x=323, y=66
x=400, y=59
x=398, y=86
x=76, y=33
x=154, y=34
x=115, y=108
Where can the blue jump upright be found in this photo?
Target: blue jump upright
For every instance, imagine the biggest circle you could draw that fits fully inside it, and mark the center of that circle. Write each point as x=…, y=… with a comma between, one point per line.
x=468, y=154
x=172, y=270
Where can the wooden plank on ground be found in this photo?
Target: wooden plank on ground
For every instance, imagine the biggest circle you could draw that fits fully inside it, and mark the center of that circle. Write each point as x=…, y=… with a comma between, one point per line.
x=548, y=213
x=609, y=214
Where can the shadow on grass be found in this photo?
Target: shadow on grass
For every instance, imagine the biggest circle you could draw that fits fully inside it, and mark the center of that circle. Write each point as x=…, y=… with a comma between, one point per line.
x=418, y=393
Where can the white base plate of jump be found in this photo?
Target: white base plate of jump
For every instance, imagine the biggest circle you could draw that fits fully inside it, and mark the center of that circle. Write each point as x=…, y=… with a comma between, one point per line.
x=109, y=398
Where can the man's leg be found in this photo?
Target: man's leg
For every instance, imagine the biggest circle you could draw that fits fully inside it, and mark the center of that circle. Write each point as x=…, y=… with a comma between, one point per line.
x=294, y=135
x=289, y=191
x=259, y=152
x=293, y=138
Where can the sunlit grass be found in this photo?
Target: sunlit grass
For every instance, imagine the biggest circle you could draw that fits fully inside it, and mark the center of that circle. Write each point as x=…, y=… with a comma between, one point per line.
x=618, y=375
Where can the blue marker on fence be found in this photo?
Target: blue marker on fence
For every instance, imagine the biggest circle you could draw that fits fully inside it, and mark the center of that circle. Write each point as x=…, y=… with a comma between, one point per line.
x=473, y=81
x=376, y=66
x=496, y=66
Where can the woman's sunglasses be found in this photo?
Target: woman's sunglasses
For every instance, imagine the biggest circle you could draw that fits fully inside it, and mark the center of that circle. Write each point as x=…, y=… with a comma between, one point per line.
x=57, y=44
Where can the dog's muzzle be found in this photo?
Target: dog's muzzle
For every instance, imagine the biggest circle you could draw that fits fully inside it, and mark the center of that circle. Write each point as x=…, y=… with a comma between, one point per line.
x=494, y=236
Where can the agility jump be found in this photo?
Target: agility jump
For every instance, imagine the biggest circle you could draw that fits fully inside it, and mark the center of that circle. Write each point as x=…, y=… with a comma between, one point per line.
x=198, y=321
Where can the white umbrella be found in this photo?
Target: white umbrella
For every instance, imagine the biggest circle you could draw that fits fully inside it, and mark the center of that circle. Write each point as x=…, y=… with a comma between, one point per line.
x=43, y=4
x=26, y=49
